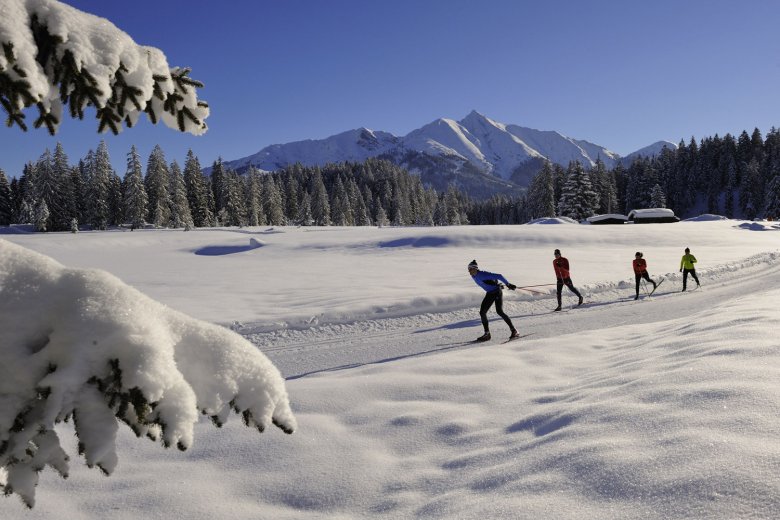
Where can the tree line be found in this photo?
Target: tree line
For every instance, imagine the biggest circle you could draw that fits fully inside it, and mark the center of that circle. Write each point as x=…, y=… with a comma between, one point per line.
x=735, y=177
x=54, y=195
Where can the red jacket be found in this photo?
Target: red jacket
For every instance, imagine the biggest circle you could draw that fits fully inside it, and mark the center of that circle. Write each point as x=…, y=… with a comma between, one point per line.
x=561, y=266
x=640, y=266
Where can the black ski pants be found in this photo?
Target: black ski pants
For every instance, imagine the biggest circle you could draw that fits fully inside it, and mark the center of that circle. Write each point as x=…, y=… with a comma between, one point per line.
x=568, y=283
x=639, y=278
x=685, y=276
x=490, y=298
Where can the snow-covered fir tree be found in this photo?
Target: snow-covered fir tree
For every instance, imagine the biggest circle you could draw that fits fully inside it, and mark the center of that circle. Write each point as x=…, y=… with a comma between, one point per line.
x=291, y=195
x=541, y=193
x=51, y=188
x=272, y=202
x=116, y=207
x=578, y=200
x=99, y=173
x=218, y=183
x=234, y=209
x=180, y=208
x=305, y=217
x=6, y=203
x=104, y=355
x=771, y=207
x=255, y=213
x=135, y=199
x=67, y=191
x=41, y=216
x=55, y=55
x=197, y=188
x=657, y=197
x=320, y=205
x=157, y=185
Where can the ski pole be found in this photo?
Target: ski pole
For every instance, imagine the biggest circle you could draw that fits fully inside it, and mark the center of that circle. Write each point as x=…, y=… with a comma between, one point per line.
x=529, y=290
x=539, y=285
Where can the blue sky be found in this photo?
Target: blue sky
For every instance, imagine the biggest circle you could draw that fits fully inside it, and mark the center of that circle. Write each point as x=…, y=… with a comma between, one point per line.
x=619, y=74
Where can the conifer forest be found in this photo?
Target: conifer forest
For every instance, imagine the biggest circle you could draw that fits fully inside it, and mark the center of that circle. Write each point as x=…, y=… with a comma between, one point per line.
x=735, y=177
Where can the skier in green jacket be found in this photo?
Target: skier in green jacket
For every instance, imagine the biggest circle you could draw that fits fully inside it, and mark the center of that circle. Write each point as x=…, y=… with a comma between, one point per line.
x=686, y=266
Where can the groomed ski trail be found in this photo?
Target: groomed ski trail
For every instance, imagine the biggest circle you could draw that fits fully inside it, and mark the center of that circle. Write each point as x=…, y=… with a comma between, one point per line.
x=300, y=353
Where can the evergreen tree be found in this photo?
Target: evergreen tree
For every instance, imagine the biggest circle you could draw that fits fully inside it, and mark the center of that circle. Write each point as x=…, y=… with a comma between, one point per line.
x=99, y=172
x=578, y=200
x=751, y=196
x=234, y=210
x=180, y=208
x=116, y=208
x=157, y=188
x=51, y=186
x=39, y=69
x=452, y=210
x=272, y=202
x=771, y=208
x=6, y=203
x=135, y=199
x=381, y=216
x=254, y=204
x=41, y=216
x=218, y=186
x=291, y=195
x=657, y=197
x=541, y=193
x=16, y=200
x=29, y=194
x=197, y=188
x=320, y=206
x=340, y=208
x=305, y=216
x=67, y=189
x=78, y=185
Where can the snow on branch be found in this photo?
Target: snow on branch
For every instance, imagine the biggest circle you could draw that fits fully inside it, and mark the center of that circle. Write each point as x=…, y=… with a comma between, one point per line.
x=80, y=344
x=52, y=55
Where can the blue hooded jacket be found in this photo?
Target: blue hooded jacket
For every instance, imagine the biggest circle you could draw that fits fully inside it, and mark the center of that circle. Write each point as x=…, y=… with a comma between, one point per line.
x=484, y=279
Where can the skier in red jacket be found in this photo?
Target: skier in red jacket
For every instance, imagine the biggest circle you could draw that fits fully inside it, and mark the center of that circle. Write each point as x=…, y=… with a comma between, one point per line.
x=640, y=271
x=561, y=266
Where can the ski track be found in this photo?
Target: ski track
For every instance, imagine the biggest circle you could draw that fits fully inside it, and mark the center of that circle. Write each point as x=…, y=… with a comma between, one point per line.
x=327, y=348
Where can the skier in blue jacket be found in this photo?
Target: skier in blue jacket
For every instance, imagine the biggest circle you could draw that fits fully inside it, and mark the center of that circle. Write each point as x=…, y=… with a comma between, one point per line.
x=490, y=282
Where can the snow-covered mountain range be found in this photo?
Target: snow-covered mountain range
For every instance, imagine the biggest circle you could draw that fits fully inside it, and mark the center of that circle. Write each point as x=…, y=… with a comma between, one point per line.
x=477, y=154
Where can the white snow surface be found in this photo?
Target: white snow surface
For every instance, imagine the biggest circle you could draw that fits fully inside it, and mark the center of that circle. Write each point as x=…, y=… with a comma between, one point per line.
x=666, y=407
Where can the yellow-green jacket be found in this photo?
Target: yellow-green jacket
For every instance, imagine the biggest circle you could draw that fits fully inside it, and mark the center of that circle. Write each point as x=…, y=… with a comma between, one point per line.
x=687, y=261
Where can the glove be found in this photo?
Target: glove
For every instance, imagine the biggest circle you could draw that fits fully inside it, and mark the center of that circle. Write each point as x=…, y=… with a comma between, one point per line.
x=511, y=286
x=681, y=269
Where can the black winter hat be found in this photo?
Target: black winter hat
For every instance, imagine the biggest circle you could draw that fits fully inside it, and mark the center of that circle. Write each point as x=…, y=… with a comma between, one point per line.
x=557, y=252
x=473, y=265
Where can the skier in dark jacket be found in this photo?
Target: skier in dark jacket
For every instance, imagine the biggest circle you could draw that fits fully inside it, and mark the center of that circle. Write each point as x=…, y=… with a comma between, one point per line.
x=561, y=266
x=640, y=271
x=686, y=266
x=490, y=282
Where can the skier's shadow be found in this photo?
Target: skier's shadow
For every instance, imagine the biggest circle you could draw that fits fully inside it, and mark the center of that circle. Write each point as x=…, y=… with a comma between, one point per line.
x=443, y=348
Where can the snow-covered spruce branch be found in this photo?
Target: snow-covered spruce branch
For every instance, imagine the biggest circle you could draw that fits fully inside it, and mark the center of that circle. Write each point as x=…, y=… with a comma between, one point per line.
x=77, y=343
x=54, y=55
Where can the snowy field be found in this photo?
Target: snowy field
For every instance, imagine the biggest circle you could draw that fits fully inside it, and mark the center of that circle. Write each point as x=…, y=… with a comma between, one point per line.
x=662, y=408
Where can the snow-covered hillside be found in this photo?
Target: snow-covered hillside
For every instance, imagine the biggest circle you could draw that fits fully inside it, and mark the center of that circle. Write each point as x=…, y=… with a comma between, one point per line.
x=666, y=407
x=509, y=152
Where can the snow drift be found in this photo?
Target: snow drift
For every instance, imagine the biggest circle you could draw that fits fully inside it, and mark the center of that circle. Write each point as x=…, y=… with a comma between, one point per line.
x=79, y=343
